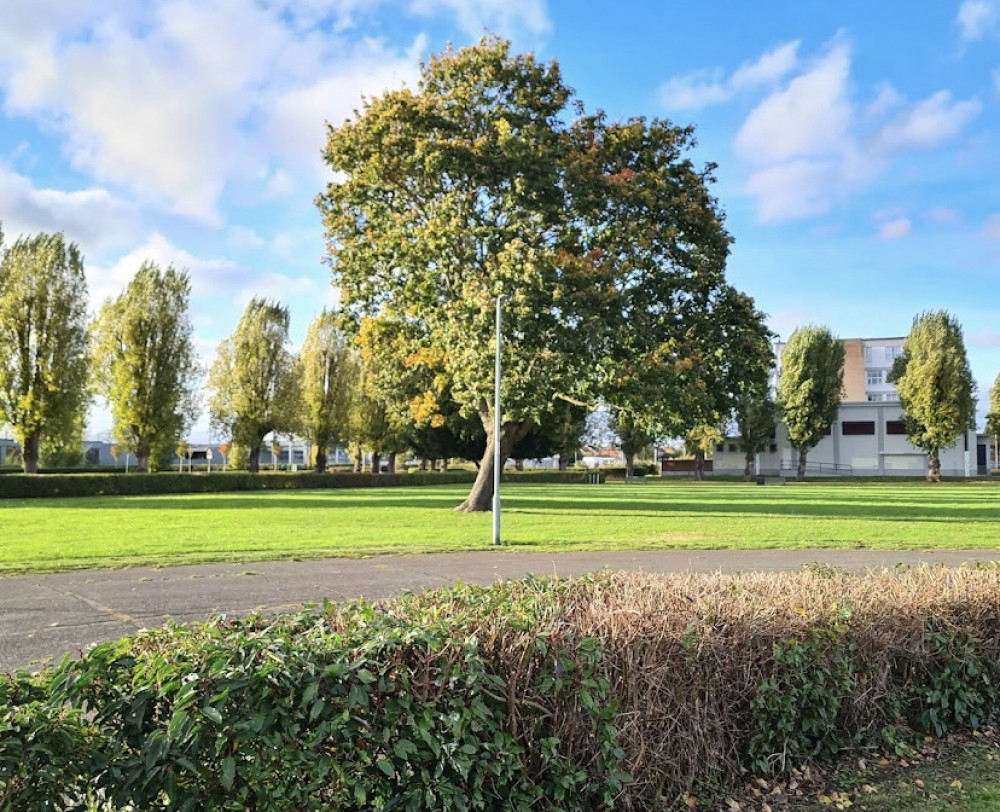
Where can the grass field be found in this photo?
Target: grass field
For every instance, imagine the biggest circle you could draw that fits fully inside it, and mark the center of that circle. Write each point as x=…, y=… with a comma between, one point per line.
x=53, y=534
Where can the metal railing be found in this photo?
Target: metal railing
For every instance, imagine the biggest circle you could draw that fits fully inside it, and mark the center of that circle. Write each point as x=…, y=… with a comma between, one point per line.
x=817, y=468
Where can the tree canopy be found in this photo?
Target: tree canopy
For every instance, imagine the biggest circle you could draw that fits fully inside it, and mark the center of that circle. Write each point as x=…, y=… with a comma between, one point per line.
x=144, y=361
x=43, y=343
x=252, y=384
x=810, y=387
x=475, y=184
x=935, y=386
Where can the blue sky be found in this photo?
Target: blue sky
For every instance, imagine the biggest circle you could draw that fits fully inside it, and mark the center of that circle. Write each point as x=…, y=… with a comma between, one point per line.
x=858, y=144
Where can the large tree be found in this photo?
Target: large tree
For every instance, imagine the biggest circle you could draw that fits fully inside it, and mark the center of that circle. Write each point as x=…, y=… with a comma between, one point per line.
x=810, y=388
x=253, y=382
x=474, y=185
x=144, y=361
x=935, y=386
x=329, y=370
x=43, y=343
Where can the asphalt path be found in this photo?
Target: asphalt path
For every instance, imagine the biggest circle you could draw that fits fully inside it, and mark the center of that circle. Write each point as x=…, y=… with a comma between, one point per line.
x=47, y=616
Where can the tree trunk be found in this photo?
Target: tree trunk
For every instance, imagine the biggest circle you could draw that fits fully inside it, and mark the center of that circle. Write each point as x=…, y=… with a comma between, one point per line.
x=518, y=465
x=480, y=498
x=321, y=459
x=748, y=467
x=699, y=465
x=423, y=463
x=142, y=461
x=800, y=473
x=563, y=462
x=933, y=466
x=443, y=465
x=629, y=465
x=29, y=453
x=253, y=458
x=376, y=466
x=390, y=467
x=358, y=459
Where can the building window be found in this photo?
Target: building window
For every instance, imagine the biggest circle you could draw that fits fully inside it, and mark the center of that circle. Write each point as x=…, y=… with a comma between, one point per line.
x=892, y=396
x=720, y=447
x=876, y=377
x=892, y=353
x=732, y=447
x=875, y=398
x=855, y=427
x=774, y=448
x=868, y=355
x=895, y=427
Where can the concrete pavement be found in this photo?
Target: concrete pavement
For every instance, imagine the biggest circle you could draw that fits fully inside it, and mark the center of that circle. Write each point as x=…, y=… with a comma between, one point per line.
x=45, y=616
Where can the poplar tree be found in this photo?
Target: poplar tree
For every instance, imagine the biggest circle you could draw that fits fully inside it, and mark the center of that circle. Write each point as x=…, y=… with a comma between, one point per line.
x=329, y=370
x=43, y=343
x=252, y=384
x=935, y=386
x=993, y=415
x=810, y=388
x=144, y=361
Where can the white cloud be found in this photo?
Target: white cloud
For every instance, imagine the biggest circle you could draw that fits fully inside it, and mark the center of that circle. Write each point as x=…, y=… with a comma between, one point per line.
x=176, y=100
x=895, y=229
x=215, y=283
x=700, y=89
x=943, y=216
x=93, y=217
x=991, y=228
x=806, y=145
x=769, y=68
x=928, y=123
x=693, y=91
x=976, y=18
x=886, y=99
x=792, y=190
x=297, y=117
x=475, y=17
x=810, y=116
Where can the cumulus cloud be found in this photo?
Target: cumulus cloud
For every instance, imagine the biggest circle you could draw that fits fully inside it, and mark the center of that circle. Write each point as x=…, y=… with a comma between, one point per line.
x=810, y=116
x=214, y=282
x=175, y=101
x=976, y=18
x=895, y=229
x=93, y=217
x=943, y=216
x=700, y=89
x=928, y=123
x=808, y=145
x=475, y=17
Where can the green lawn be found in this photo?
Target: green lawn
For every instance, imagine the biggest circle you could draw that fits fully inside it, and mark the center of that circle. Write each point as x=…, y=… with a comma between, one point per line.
x=51, y=534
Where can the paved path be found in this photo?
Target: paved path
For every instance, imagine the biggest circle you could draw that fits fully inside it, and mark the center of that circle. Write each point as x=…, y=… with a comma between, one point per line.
x=48, y=615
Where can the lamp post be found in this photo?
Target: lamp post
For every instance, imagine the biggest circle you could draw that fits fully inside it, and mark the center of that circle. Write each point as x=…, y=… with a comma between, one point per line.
x=496, y=434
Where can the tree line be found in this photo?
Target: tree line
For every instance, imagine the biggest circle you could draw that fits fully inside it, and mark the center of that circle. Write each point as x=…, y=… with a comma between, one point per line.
x=488, y=178
x=932, y=377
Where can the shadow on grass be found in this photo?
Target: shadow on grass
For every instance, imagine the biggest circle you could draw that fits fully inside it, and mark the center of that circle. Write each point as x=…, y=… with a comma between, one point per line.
x=563, y=501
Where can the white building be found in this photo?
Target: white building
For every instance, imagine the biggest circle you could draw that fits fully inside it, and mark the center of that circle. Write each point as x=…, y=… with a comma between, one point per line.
x=868, y=437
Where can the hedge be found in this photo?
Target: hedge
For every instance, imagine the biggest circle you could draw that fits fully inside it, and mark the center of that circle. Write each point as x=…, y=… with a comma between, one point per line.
x=21, y=486
x=68, y=485
x=620, y=691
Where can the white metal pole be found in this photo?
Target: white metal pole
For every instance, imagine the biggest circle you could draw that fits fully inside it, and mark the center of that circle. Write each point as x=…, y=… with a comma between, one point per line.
x=496, y=434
